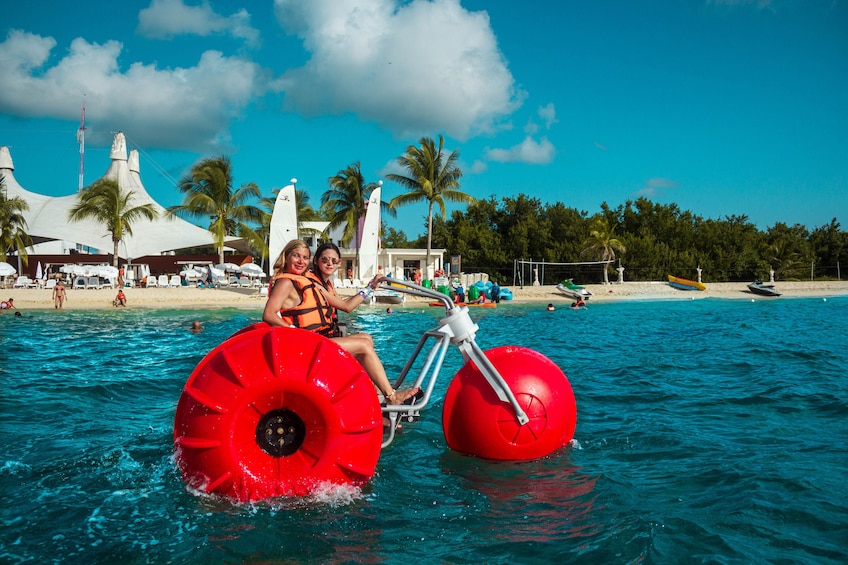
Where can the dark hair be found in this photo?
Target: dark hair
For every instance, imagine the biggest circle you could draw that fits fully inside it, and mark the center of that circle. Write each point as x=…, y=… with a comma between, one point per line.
x=321, y=249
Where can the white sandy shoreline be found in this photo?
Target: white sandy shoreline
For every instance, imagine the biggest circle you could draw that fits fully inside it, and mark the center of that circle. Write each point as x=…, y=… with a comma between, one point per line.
x=186, y=297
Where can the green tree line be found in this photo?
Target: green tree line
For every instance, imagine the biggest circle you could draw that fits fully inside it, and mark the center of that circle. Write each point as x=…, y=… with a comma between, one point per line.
x=651, y=241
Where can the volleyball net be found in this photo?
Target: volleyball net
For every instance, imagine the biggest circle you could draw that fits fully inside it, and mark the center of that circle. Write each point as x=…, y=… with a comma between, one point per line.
x=529, y=272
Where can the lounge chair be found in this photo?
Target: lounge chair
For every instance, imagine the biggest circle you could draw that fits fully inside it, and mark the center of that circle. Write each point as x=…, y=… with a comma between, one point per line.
x=129, y=279
x=24, y=281
x=50, y=284
x=175, y=281
x=233, y=280
x=163, y=281
x=244, y=282
x=80, y=282
x=151, y=281
x=93, y=282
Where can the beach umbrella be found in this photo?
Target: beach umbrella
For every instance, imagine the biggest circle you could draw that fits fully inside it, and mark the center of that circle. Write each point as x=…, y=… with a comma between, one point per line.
x=6, y=269
x=232, y=267
x=252, y=270
x=106, y=271
x=38, y=273
x=190, y=273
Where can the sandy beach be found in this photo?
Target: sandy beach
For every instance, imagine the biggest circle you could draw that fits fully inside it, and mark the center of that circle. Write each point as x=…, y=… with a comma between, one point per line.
x=187, y=297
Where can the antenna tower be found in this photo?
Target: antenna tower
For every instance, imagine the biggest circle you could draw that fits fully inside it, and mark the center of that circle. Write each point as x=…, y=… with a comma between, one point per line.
x=81, y=141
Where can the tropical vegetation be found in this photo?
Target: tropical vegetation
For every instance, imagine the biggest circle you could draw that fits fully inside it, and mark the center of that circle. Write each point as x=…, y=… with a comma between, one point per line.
x=432, y=177
x=104, y=202
x=345, y=203
x=209, y=193
x=13, y=235
x=650, y=240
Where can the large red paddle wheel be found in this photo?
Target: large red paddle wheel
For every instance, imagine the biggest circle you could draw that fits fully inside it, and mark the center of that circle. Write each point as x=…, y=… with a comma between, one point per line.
x=277, y=412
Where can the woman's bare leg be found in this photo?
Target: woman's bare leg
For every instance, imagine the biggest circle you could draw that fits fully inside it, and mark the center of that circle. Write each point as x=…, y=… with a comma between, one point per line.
x=361, y=346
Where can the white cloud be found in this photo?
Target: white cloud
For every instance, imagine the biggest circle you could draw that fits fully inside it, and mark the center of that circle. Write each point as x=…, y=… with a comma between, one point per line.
x=548, y=115
x=655, y=187
x=165, y=19
x=416, y=68
x=528, y=151
x=182, y=108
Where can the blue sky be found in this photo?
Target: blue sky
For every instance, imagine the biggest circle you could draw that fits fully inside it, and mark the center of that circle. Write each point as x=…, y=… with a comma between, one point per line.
x=721, y=106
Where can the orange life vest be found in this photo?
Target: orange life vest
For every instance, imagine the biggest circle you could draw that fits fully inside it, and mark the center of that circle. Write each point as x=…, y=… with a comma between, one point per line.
x=313, y=313
x=334, y=313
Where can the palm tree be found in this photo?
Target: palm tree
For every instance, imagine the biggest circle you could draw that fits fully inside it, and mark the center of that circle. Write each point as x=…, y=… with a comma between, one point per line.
x=602, y=244
x=345, y=204
x=105, y=202
x=432, y=177
x=13, y=235
x=209, y=193
x=783, y=259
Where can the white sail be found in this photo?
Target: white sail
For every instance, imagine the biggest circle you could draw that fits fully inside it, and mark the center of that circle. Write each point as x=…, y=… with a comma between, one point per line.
x=283, y=224
x=370, y=236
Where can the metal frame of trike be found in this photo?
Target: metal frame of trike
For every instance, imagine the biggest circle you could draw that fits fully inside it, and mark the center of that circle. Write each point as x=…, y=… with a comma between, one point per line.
x=457, y=328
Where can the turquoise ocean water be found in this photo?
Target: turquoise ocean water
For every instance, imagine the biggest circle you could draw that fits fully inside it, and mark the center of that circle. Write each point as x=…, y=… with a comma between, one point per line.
x=708, y=431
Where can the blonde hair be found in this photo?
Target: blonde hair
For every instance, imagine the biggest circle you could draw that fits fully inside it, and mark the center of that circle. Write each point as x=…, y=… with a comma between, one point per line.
x=280, y=263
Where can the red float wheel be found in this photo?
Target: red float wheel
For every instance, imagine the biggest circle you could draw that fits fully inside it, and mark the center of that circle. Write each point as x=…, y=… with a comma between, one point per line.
x=477, y=422
x=277, y=412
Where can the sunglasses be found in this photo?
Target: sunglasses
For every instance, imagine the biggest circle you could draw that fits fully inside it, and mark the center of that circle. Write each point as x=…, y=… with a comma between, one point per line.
x=330, y=261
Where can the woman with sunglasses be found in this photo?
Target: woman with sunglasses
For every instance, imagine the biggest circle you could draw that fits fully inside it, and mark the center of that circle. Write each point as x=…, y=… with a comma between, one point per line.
x=324, y=265
x=298, y=300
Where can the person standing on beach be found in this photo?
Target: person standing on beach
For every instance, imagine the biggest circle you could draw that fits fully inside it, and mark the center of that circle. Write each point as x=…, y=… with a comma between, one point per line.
x=496, y=293
x=295, y=299
x=59, y=295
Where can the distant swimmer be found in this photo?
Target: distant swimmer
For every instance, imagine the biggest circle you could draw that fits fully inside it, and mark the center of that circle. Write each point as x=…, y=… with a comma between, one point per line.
x=551, y=308
x=196, y=327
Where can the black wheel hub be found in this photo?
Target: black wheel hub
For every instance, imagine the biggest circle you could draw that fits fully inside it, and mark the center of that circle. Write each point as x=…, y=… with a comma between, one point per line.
x=280, y=432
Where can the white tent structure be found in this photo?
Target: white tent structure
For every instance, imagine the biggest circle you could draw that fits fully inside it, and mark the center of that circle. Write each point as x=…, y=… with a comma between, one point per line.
x=47, y=218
